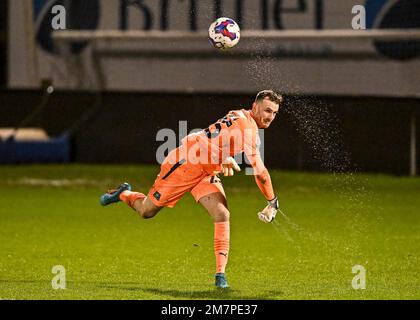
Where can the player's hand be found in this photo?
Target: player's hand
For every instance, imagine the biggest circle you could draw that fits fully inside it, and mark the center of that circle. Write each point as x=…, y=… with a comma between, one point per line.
x=228, y=166
x=270, y=211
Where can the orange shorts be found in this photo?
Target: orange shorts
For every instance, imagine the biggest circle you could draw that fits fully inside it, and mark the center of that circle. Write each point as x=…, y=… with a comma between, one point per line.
x=177, y=178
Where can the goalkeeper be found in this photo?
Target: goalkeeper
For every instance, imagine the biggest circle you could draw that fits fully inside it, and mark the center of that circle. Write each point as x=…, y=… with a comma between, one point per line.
x=193, y=167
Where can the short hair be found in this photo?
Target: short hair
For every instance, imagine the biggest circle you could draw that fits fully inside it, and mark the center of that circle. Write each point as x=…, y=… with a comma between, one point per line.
x=271, y=95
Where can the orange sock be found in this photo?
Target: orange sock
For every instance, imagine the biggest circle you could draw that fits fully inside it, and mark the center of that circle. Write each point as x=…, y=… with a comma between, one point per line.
x=130, y=197
x=221, y=245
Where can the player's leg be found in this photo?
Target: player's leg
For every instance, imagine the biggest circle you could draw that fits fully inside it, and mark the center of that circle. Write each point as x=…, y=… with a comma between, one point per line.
x=136, y=200
x=169, y=187
x=216, y=206
x=140, y=203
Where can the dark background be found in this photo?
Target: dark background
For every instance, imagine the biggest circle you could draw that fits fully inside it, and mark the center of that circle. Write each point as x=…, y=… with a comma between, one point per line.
x=311, y=133
x=3, y=42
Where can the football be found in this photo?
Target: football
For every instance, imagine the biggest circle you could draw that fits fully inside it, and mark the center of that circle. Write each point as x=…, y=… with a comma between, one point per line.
x=224, y=33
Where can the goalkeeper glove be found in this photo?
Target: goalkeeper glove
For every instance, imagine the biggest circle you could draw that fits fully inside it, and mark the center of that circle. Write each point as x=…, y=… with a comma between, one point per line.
x=228, y=166
x=270, y=211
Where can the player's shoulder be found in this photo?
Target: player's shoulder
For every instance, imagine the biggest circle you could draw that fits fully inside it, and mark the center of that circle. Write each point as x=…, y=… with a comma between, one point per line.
x=240, y=113
x=244, y=116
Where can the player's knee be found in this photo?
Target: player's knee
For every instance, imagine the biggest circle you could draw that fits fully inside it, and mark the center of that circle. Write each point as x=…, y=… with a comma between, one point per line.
x=222, y=214
x=146, y=213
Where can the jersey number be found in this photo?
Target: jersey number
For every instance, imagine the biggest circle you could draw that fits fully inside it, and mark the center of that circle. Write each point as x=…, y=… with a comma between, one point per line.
x=227, y=120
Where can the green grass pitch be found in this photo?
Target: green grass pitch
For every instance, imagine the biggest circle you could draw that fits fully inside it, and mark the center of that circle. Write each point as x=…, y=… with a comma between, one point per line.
x=50, y=215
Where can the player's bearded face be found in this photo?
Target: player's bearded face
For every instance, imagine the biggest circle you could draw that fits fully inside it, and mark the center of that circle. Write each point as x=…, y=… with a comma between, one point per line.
x=265, y=112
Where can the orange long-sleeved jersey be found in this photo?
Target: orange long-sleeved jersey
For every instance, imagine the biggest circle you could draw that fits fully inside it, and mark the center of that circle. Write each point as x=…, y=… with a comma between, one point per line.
x=235, y=133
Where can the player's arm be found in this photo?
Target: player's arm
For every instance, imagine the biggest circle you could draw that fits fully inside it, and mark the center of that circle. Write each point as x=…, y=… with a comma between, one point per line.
x=263, y=181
